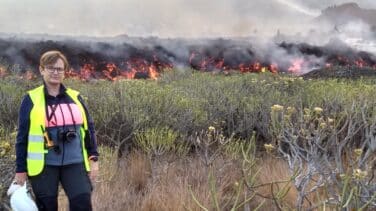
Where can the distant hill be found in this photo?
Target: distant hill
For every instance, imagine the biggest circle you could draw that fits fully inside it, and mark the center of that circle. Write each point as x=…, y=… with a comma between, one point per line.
x=344, y=13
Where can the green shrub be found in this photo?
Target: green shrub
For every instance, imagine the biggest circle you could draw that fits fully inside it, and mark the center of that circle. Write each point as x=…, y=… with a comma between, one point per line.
x=11, y=92
x=189, y=102
x=318, y=127
x=156, y=141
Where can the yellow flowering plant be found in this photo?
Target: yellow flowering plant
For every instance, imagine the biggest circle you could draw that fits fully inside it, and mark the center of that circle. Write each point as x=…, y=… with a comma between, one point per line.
x=305, y=138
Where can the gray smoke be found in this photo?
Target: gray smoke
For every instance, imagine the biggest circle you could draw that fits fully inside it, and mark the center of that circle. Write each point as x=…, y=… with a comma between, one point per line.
x=162, y=18
x=260, y=24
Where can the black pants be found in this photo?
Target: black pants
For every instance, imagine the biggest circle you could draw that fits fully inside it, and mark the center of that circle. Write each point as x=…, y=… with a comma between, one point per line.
x=74, y=180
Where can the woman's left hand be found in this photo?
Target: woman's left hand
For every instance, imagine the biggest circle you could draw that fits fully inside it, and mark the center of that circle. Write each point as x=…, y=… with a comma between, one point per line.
x=94, y=170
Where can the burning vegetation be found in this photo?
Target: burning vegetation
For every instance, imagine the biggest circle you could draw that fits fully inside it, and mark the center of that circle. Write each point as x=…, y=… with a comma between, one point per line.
x=147, y=58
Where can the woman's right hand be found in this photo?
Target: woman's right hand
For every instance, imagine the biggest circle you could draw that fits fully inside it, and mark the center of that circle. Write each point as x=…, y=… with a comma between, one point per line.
x=20, y=178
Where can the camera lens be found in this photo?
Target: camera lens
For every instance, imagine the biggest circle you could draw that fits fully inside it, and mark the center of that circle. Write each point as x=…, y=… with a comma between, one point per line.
x=70, y=136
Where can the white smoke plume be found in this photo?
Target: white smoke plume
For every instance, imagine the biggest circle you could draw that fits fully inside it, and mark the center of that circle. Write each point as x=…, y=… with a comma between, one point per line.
x=262, y=23
x=162, y=18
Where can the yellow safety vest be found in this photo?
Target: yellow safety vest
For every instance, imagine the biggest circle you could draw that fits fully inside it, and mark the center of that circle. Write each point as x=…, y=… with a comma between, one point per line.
x=35, y=148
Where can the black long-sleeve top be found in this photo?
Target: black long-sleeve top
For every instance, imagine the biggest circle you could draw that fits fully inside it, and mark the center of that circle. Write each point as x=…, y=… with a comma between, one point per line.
x=24, y=125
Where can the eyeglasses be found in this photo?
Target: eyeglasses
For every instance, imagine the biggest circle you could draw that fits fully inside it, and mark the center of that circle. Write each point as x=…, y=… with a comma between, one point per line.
x=53, y=69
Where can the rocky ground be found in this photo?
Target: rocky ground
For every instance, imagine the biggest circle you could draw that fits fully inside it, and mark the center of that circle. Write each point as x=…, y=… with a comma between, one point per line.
x=7, y=166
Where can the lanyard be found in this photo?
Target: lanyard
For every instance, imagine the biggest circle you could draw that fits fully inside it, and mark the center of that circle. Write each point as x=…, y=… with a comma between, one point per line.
x=53, y=109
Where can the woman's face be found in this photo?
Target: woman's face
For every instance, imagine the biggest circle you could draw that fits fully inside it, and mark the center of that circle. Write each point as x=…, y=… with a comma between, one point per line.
x=53, y=74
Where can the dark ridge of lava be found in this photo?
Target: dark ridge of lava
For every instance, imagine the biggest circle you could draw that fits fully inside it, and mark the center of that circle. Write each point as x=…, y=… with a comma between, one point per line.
x=204, y=55
x=352, y=72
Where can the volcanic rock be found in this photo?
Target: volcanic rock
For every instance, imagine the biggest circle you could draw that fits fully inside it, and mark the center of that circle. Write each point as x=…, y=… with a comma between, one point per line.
x=351, y=72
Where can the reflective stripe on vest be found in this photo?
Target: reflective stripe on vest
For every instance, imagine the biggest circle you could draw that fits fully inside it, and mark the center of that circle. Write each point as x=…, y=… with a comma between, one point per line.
x=35, y=148
x=35, y=138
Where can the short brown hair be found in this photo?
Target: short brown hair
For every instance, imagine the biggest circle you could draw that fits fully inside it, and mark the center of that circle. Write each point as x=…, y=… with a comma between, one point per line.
x=50, y=57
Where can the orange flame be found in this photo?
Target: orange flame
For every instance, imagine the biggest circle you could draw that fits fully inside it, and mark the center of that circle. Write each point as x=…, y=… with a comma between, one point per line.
x=87, y=72
x=296, y=66
x=206, y=63
x=152, y=66
x=153, y=73
x=3, y=72
x=129, y=74
x=274, y=68
x=29, y=75
x=127, y=70
x=360, y=63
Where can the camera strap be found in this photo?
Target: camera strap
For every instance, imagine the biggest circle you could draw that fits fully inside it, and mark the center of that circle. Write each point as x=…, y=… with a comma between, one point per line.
x=53, y=109
x=62, y=115
x=71, y=113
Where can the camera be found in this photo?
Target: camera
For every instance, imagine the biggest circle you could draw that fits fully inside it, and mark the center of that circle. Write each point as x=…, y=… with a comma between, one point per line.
x=68, y=134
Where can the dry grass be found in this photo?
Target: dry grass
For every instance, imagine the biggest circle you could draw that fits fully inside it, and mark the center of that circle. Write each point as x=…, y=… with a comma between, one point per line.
x=273, y=170
x=161, y=184
x=138, y=182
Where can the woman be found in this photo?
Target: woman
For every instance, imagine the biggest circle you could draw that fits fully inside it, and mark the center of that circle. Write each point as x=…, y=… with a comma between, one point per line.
x=56, y=140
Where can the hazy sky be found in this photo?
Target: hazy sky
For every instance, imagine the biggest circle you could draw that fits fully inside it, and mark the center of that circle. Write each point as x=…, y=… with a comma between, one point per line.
x=164, y=18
